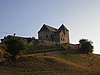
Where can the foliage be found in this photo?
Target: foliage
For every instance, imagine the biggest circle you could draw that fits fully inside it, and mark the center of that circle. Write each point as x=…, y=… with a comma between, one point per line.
x=86, y=45
x=14, y=45
x=2, y=50
x=2, y=46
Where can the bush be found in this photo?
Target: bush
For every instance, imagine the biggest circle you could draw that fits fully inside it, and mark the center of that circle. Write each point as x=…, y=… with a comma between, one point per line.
x=14, y=45
x=86, y=45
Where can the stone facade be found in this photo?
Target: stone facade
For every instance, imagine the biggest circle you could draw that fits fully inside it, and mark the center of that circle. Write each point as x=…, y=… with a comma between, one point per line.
x=59, y=36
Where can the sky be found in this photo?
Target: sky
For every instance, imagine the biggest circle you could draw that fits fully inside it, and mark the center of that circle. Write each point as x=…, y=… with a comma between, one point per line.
x=26, y=17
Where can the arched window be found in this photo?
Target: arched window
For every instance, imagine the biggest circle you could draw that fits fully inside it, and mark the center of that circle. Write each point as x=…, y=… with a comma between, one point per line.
x=64, y=32
x=46, y=36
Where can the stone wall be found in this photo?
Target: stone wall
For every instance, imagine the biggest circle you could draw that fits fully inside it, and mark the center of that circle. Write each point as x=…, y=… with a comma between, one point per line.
x=45, y=42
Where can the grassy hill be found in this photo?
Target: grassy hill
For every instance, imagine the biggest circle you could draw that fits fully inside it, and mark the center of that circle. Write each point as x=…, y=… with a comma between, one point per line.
x=53, y=64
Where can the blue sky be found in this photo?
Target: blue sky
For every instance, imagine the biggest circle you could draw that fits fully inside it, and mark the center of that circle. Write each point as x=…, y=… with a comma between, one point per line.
x=26, y=17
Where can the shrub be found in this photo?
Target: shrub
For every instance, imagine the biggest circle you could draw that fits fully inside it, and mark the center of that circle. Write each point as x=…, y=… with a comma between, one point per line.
x=14, y=45
x=86, y=45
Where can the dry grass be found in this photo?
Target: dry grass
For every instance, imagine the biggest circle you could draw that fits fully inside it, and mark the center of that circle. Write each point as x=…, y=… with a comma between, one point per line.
x=56, y=64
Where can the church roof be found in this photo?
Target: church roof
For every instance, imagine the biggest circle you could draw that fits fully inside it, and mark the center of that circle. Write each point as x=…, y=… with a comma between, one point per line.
x=52, y=29
x=47, y=27
x=62, y=27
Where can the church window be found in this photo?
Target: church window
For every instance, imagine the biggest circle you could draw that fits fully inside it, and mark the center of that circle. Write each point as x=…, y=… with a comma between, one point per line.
x=63, y=39
x=64, y=32
x=46, y=36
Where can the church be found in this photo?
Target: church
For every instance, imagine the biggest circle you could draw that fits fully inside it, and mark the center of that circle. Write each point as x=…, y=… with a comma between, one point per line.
x=59, y=36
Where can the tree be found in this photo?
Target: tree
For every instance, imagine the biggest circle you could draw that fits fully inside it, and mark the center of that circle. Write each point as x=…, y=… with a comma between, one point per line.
x=86, y=46
x=14, y=45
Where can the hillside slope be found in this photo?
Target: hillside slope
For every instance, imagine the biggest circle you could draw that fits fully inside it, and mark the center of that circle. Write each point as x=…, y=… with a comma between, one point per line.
x=53, y=64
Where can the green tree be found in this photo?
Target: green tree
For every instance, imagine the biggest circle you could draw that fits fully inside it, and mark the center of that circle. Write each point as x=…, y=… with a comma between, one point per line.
x=14, y=45
x=86, y=46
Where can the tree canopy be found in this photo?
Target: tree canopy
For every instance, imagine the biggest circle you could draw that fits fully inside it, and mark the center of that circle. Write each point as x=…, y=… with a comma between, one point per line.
x=86, y=45
x=14, y=45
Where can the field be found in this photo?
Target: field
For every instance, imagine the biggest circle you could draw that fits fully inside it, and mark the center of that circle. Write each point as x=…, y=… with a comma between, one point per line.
x=53, y=64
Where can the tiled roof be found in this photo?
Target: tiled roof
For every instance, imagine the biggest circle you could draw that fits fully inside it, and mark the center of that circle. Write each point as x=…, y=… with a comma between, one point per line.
x=62, y=27
x=47, y=27
x=51, y=28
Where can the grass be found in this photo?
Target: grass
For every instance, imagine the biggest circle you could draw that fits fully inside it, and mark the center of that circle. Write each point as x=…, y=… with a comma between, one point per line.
x=53, y=64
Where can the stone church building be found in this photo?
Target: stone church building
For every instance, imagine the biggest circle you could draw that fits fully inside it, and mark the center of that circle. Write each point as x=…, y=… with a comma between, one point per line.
x=51, y=34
